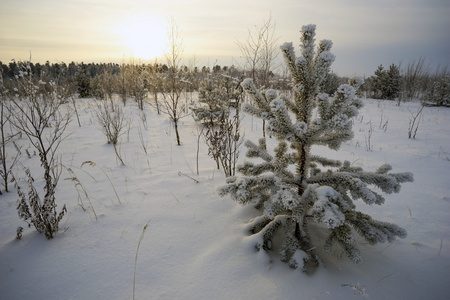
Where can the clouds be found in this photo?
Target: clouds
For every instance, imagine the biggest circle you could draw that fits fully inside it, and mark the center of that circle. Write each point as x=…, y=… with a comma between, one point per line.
x=369, y=33
x=365, y=33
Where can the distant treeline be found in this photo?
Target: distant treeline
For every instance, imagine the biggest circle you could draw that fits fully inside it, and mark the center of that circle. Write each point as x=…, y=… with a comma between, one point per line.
x=87, y=79
x=413, y=81
x=72, y=69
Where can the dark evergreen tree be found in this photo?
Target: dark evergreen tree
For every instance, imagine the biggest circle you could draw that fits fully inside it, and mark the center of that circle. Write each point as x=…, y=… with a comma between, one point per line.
x=386, y=83
x=319, y=194
x=378, y=81
x=83, y=83
x=392, y=87
x=330, y=83
x=439, y=93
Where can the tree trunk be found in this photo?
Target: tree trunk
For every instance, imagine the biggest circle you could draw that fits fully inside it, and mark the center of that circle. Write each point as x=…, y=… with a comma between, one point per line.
x=301, y=171
x=175, y=122
x=157, y=104
x=301, y=167
x=264, y=129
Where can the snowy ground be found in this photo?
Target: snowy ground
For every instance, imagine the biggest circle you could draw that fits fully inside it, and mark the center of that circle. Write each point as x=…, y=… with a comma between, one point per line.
x=194, y=246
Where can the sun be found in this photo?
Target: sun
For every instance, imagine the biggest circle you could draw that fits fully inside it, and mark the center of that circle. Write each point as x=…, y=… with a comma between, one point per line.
x=143, y=36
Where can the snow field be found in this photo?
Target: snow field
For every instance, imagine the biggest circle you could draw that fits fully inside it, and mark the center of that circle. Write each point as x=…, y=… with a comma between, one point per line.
x=195, y=246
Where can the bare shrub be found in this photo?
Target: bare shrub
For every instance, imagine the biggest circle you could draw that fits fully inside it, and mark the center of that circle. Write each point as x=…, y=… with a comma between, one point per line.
x=132, y=82
x=103, y=85
x=413, y=77
x=35, y=112
x=5, y=138
x=111, y=119
x=414, y=123
x=220, y=131
x=154, y=80
x=223, y=141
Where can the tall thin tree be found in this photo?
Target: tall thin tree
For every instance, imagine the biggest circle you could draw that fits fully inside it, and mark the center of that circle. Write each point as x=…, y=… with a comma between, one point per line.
x=173, y=105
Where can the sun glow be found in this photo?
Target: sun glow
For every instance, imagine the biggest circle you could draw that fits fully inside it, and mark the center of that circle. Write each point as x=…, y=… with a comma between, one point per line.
x=143, y=37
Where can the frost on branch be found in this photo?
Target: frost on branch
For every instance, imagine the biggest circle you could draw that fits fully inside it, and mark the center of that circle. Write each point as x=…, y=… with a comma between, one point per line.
x=320, y=191
x=42, y=215
x=324, y=210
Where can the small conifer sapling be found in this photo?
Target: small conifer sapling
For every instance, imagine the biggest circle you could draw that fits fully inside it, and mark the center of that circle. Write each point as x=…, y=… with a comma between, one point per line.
x=320, y=193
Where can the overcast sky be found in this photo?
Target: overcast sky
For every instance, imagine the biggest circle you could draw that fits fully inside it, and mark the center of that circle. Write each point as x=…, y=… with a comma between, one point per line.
x=365, y=33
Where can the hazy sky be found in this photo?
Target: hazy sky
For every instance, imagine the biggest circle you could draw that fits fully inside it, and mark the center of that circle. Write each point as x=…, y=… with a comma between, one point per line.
x=365, y=33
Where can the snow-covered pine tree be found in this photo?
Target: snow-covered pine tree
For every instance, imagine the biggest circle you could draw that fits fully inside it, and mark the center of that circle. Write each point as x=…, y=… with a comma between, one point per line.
x=439, y=92
x=321, y=191
x=386, y=83
x=392, y=89
x=378, y=82
x=213, y=100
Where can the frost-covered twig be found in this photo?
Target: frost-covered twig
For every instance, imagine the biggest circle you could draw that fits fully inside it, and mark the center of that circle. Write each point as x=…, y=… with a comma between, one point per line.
x=78, y=183
x=182, y=174
x=357, y=289
x=93, y=164
x=368, y=138
x=141, y=237
x=413, y=126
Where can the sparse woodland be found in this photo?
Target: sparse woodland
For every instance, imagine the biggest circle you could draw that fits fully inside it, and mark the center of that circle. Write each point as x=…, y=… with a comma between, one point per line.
x=32, y=95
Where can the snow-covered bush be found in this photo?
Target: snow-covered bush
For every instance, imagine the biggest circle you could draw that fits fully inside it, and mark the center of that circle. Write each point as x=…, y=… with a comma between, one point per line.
x=319, y=194
x=224, y=140
x=439, y=93
x=213, y=101
x=221, y=130
x=35, y=112
x=41, y=214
